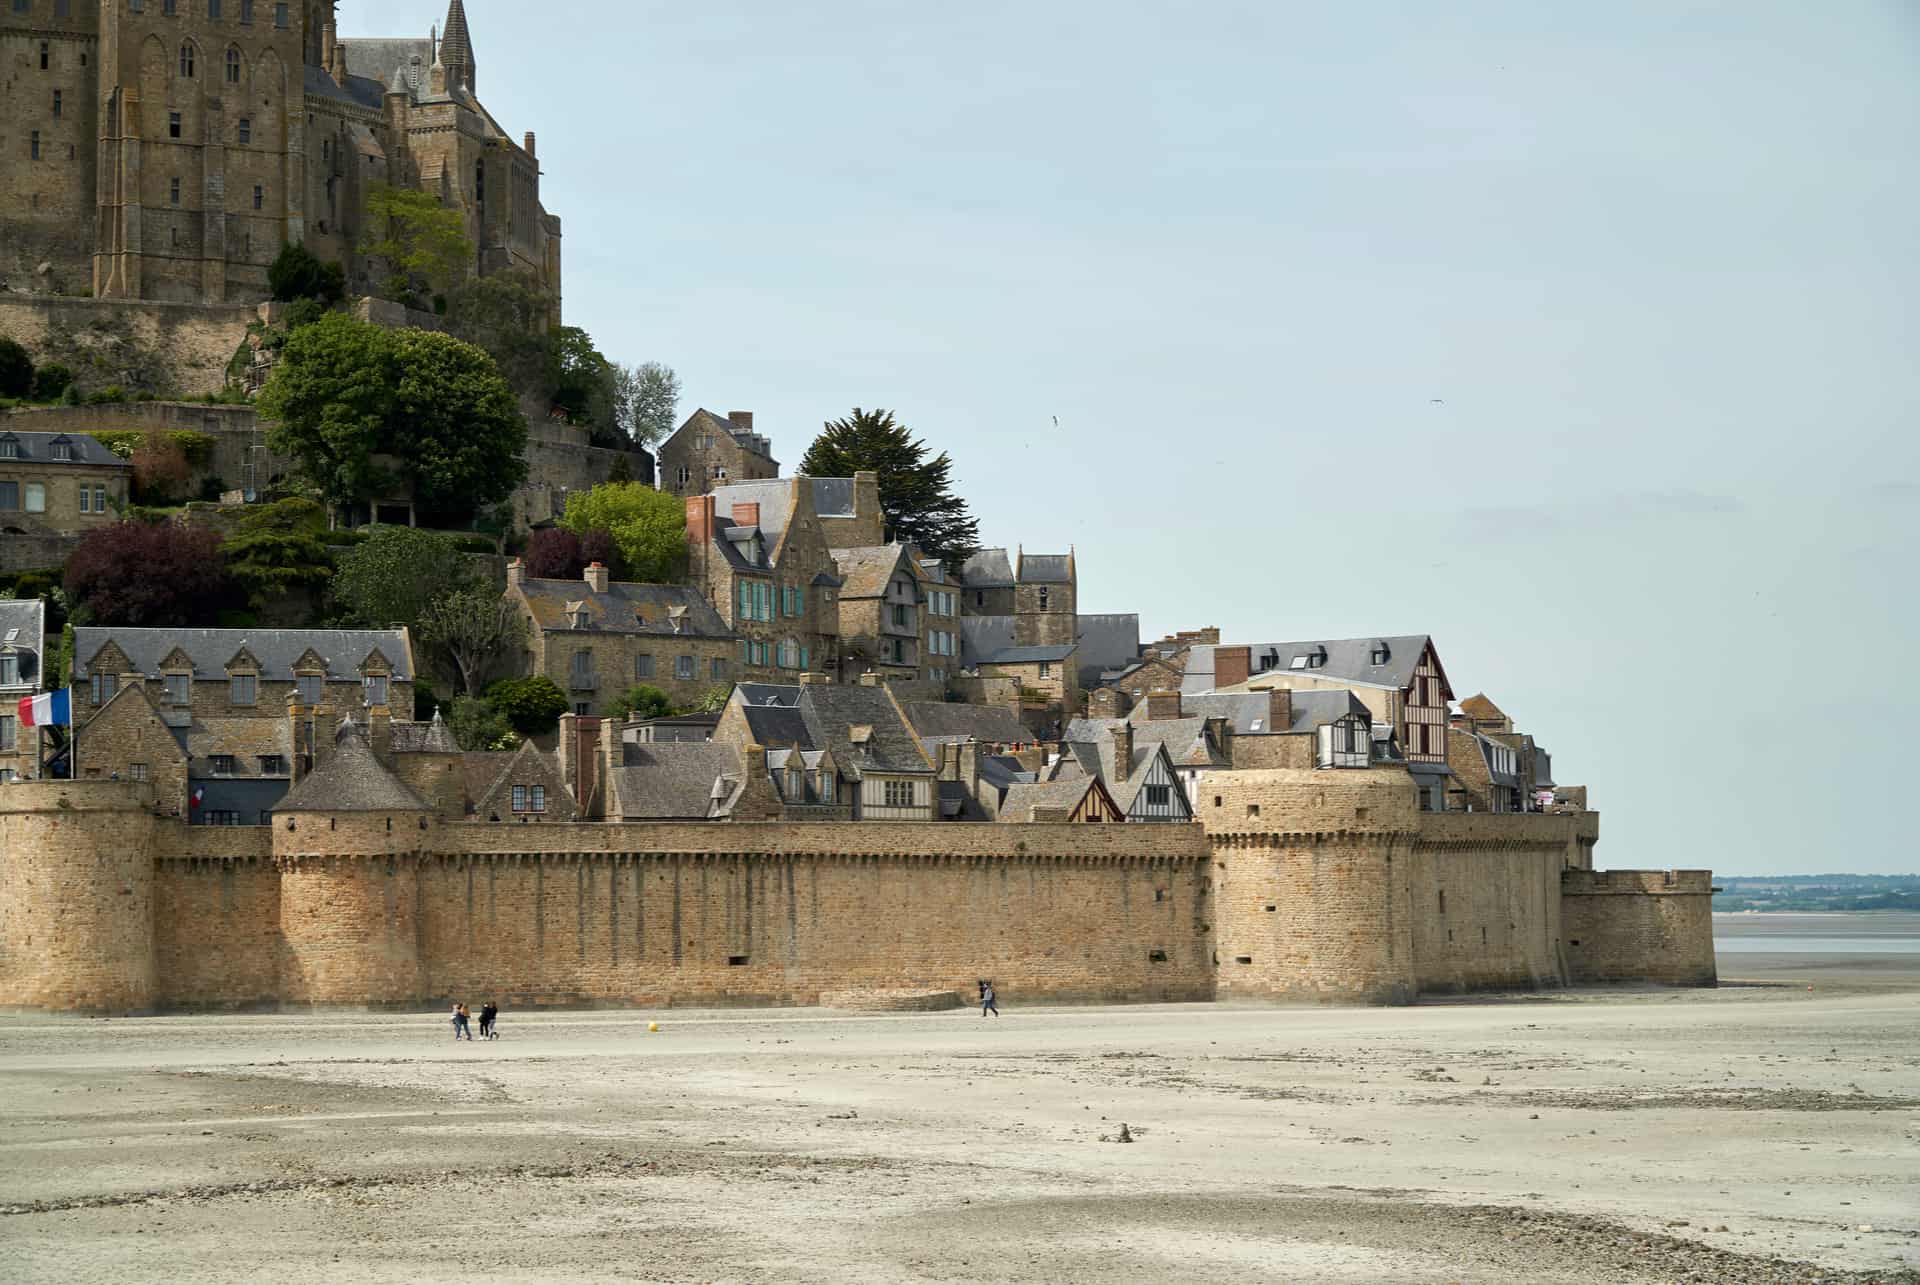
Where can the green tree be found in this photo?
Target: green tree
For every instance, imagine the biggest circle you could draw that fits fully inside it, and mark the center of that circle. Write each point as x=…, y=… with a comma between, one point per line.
x=51, y=381
x=584, y=382
x=508, y=314
x=345, y=392
x=328, y=405
x=477, y=725
x=643, y=701
x=533, y=705
x=646, y=398
x=16, y=369
x=421, y=242
x=916, y=493
x=474, y=627
x=276, y=550
x=393, y=576
x=296, y=273
x=713, y=700
x=649, y=527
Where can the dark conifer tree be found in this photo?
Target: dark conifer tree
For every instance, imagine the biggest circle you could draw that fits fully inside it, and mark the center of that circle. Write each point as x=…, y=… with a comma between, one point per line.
x=916, y=494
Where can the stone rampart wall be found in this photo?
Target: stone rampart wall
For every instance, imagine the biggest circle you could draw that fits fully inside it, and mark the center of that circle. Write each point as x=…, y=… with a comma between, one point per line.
x=1639, y=926
x=180, y=349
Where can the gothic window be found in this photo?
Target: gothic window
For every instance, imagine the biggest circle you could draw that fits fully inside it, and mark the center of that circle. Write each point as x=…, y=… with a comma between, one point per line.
x=233, y=66
x=186, y=61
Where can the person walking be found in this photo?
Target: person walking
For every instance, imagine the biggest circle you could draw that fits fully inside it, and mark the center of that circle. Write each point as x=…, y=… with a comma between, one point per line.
x=462, y=1022
x=456, y=1021
x=987, y=1002
x=489, y=1014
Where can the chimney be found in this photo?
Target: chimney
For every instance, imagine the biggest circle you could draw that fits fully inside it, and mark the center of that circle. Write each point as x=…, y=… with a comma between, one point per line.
x=516, y=572
x=699, y=520
x=746, y=513
x=1231, y=665
x=567, y=751
x=380, y=733
x=596, y=576
x=1162, y=705
x=1122, y=751
x=1104, y=702
x=1279, y=709
x=809, y=678
x=528, y=143
x=741, y=419
x=869, y=679
x=866, y=506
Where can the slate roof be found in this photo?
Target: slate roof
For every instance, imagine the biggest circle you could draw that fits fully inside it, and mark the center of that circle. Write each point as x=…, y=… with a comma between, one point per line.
x=1088, y=747
x=1242, y=710
x=431, y=737
x=37, y=448
x=773, y=495
x=776, y=725
x=1026, y=655
x=1022, y=798
x=747, y=438
x=23, y=624
x=1347, y=660
x=1046, y=568
x=1107, y=641
x=362, y=91
x=351, y=779
x=987, y=569
x=482, y=770
x=1312, y=710
x=866, y=571
x=1186, y=740
x=982, y=636
x=769, y=693
x=1001, y=771
x=832, y=712
x=376, y=58
x=275, y=649
x=675, y=780
x=627, y=607
x=990, y=724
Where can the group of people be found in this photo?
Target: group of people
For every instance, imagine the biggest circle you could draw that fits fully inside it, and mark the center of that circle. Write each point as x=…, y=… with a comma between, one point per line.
x=463, y=1021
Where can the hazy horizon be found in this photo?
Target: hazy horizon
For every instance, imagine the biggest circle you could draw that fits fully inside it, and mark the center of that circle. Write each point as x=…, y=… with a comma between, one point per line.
x=1579, y=338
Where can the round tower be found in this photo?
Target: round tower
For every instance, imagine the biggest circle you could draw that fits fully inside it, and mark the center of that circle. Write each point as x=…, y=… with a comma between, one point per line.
x=76, y=896
x=1313, y=871
x=348, y=839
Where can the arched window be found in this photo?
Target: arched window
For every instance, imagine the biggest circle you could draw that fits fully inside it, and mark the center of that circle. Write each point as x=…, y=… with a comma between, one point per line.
x=233, y=65
x=186, y=61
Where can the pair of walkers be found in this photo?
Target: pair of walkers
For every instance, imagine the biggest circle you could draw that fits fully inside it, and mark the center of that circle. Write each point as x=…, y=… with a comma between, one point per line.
x=463, y=1021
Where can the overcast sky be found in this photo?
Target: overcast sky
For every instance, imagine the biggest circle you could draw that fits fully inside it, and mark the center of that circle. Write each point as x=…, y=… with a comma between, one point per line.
x=1581, y=337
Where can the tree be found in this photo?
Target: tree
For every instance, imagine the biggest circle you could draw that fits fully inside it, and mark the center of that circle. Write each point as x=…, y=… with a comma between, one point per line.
x=916, y=496
x=533, y=705
x=553, y=554
x=344, y=392
x=160, y=470
x=646, y=398
x=584, y=383
x=477, y=725
x=149, y=575
x=297, y=274
x=328, y=405
x=642, y=701
x=455, y=425
x=507, y=314
x=648, y=527
x=620, y=470
x=276, y=550
x=422, y=243
x=16, y=369
x=473, y=627
x=391, y=578
x=713, y=700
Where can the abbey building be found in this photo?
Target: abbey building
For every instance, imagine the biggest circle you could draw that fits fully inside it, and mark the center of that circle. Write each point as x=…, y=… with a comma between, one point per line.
x=166, y=149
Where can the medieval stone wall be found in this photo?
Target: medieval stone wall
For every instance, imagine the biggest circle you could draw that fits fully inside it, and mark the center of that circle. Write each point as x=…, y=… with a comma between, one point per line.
x=181, y=349
x=1639, y=926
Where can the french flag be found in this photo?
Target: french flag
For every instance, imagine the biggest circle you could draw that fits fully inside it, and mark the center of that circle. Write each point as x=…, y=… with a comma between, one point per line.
x=55, y=709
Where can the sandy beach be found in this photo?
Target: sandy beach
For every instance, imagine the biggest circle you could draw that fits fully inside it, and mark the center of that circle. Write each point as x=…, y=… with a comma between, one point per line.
x=1754, y=1133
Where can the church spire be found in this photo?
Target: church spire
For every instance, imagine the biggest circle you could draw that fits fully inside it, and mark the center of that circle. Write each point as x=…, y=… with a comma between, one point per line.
x=456, y=47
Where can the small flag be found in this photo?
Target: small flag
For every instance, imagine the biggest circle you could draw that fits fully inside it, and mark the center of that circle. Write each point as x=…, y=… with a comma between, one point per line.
x=54, y=709
x=198, y=795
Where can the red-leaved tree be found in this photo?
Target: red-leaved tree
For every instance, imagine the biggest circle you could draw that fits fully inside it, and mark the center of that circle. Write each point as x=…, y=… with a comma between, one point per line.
x=553, y=554
x=160, y=470
x=142, y=574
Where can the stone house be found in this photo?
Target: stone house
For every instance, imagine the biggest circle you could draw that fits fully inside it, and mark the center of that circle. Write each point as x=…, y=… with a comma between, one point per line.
x=167, y=151
x=244, y=673
x=682, y=781
x=708, y=451
x=1139, y=775
x=1048, y=680
x=882, y=620
x=883, y=770
x=758, y=553
x=23, y=649
x=523, y=785
x=1486, y=775
x=1276, y=728
x=59, y=483
x=596, y=637
x=1082, y=799
x=1398, y=678
x=128, y=738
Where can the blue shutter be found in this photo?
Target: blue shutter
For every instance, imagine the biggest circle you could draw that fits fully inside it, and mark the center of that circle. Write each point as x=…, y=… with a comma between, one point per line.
x=803, y=658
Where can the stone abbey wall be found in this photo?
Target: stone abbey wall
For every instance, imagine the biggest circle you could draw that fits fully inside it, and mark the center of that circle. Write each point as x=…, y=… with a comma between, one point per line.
x=1323, y=886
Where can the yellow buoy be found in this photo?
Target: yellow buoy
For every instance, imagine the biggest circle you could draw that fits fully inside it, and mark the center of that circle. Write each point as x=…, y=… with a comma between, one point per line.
x=653, y=1026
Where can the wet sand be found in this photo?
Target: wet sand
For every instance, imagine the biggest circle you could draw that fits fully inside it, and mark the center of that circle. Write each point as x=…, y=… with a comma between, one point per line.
x=1749, y=1134
x=1820, y=949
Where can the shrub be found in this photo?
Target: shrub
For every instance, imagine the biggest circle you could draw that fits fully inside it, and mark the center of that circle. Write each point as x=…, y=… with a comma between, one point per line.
x=111, y=393
x=73, y=396
x=51, y=382
x=553, y=554
x=533, y=705
x=642, y=701
x=16, y=369
x=477, y=725
x=297, y=274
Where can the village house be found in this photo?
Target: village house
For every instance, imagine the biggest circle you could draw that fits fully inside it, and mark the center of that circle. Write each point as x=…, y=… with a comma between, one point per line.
x=1534, y=766
x=883, y=771
x=940, y=623
x=23, y=648
x=881, y=614
x=1080, y=799
x=596, y=637
x=1140, y=776
x=708, y=451
x=758, y=553
x=59, y=484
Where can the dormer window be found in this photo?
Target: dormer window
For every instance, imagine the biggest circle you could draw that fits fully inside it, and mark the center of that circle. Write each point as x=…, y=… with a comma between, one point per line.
x=9, y=447
x=61, y=450
x=179, y=688
x=1381, y=652
x=9, y=669
x=310, y=688
x=376, y=686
